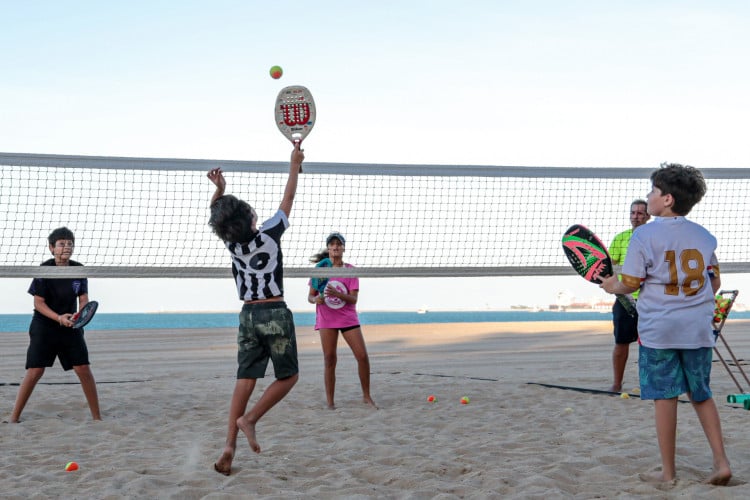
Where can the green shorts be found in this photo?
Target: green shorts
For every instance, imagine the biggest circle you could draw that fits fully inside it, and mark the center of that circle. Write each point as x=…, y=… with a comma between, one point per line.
x=266, y=332
x=667, y=373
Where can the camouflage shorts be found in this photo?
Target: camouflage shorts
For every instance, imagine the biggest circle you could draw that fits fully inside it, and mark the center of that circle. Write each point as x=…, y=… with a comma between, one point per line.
x=266, y=332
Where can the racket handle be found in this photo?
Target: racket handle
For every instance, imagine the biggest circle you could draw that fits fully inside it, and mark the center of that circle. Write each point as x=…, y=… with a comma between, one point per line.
x=627, y=303
x=738, y=398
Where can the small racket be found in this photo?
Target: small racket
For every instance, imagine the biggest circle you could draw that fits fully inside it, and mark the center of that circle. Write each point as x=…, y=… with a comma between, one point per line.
x=590, y=259
x=295, y=113
x=320, y=283
x=85, y=315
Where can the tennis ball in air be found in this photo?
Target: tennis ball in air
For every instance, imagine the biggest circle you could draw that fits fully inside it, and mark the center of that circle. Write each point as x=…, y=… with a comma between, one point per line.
x=276, y=72
x=465, y=400
x=431, y=398
x=71, y=466
x=625, y=395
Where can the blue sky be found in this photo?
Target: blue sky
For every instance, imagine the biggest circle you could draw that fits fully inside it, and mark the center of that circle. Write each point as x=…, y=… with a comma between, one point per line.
x=558, y=83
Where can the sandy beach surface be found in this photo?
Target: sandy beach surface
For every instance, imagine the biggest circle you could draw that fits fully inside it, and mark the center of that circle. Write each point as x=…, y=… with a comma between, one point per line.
x=165, y=395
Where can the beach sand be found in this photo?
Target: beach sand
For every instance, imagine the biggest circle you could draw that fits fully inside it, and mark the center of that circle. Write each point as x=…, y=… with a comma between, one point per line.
x=165, y=394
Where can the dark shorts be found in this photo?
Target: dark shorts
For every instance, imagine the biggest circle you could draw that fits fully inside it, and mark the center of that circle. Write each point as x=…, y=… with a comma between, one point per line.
x=342, y=330
x=50, y=342
x=266, y=332
x=626, y=326
x=667, y=373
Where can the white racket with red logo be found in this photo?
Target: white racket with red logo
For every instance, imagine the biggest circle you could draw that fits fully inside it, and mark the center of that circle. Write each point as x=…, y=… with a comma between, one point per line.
x=295, y=112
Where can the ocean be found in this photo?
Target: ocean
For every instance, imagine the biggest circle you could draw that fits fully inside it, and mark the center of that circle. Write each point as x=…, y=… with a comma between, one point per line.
x=157, y=321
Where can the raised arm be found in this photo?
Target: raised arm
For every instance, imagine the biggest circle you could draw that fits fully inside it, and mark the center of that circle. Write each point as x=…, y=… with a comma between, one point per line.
x=217, y=178
x=295, y=165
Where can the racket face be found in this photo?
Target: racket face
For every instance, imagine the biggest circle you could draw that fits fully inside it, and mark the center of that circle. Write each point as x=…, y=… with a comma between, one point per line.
x=320, y=283
x=86, y=314
x=586, y=253
x=295, y=112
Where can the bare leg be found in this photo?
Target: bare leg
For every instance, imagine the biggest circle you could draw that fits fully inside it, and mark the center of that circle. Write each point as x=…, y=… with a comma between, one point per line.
x=709, y=418
x=243, y=389
x=88, y=384
x=24, y=392
x=272, y=395
x=619, y=361
x=329, y=339
x=357, y=344
x=665, y=411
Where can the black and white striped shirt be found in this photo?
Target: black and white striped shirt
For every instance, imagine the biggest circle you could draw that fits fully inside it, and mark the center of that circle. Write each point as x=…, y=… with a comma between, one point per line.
x=257, y=265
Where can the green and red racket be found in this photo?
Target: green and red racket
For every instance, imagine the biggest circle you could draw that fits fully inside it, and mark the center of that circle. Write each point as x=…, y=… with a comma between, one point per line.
x=590, y=259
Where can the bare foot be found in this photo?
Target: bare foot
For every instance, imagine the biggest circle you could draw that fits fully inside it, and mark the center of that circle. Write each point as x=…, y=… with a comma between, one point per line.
x=368, y=401
x=657, y=478
x=720, y=477
x=249, y=430
x=615, y=388
x=224, y=464
x=331, y=406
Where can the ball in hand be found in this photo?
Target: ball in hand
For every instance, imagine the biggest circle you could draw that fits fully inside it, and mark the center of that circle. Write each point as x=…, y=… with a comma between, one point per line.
x=276, y=72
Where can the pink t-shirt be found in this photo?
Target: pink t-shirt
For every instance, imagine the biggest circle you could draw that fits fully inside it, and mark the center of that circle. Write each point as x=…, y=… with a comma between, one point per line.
x=334, y=312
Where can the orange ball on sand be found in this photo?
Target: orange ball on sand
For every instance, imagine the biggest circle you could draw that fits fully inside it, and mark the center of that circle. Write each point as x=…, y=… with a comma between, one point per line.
x=71, y=466
x=431, y=398
x=465, y=400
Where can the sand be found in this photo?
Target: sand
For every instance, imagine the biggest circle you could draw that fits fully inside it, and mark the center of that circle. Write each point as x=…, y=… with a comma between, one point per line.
x=165, y=394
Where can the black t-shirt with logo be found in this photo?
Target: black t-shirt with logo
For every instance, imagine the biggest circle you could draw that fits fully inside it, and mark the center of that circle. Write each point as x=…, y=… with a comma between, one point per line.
x=60, y=294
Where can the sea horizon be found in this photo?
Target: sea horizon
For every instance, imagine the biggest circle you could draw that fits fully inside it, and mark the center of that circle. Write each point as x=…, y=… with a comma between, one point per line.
x=13, y=323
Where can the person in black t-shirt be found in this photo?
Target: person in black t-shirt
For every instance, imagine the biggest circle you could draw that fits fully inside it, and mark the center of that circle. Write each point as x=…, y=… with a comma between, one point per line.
x=51, y=334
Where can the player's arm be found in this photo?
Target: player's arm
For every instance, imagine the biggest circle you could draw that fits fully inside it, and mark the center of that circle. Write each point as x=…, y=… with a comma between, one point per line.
x=83, y=299
x=349, y=298
x=611, y=284
x=217, y=177
x=313, y=297
x=295, y=165
x=41, y=306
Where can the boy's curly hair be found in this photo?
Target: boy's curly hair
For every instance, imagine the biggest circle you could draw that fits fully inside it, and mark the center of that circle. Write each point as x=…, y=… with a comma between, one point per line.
x=685, y=183
x=231, y=219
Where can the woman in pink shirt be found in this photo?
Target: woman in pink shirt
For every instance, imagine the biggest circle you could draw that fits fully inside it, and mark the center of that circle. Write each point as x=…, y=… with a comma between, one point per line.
x=335, y=302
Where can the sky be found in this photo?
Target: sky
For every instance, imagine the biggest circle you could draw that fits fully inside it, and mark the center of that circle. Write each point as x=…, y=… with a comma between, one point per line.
x=521, y=83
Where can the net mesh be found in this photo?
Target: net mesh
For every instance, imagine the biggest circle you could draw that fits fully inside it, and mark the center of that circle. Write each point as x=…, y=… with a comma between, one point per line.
x=140, y=217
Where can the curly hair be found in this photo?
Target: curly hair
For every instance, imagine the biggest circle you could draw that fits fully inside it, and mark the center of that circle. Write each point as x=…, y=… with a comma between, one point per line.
x=61, y=233
x=685, y=183
x=232, y=219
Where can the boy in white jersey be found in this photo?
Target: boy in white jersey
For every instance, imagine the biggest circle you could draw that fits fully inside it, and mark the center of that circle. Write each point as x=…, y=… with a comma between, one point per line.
x=266, y=324
x=672, y=261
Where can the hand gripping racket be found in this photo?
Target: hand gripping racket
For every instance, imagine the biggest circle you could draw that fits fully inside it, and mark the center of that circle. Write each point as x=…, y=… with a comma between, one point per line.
x=295, y=113
x=86, y=314
x=589, y=257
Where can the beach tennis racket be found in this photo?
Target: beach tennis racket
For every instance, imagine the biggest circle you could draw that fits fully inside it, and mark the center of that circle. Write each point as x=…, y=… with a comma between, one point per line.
x=86, y=314
x=590, y=259
x=320, y=283
x=295, y=113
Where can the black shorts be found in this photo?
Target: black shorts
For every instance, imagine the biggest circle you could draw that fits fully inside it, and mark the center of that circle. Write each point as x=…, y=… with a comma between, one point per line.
x=266, y=332
x=48, y=342
x=626, y=326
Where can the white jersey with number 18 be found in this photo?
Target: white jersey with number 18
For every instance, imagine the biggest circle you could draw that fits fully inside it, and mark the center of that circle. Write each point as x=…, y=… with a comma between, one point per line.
x=673, y=259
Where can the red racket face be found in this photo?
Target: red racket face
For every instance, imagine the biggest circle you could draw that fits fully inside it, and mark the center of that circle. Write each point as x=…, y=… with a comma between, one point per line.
x=586, y=253
x=295, y=112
